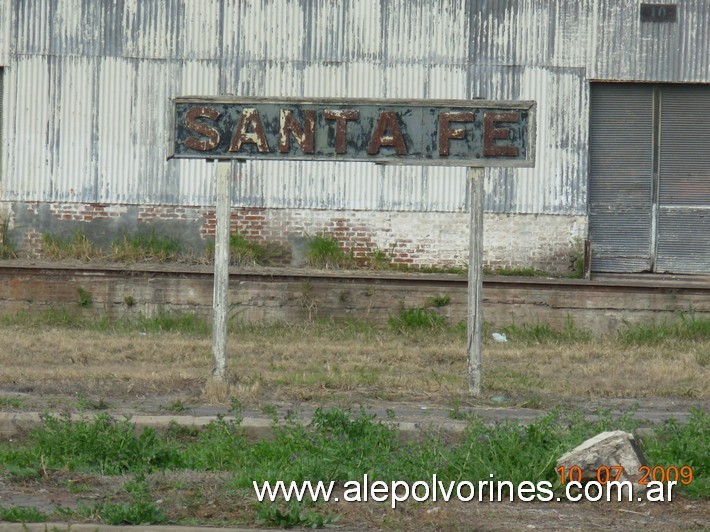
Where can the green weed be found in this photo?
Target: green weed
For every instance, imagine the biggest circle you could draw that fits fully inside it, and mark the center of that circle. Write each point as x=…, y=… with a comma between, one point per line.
x=418, y=268
x=679, y=445
x=82, y=403
x=416, y=318
x=141, y=248
x=166, y=321
x=7, y=249
x=544, y=333
x=176, y=407
x=22, y=514
x=518, y=272
x=340, y=445
x=438, y=301
x=10, y=402
x=242, y=252
x=19, y=471
x=85, y=298
x=292, y=514
x=141, y=510
x=379, y=260
x=163, y=321
x=325, y=252
x=687, y=327
x=103, y=445
x=77, y=246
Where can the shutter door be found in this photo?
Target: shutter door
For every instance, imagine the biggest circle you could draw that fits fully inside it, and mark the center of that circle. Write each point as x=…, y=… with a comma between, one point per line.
x=2, y=140
x=621, y=177
x=684, y=187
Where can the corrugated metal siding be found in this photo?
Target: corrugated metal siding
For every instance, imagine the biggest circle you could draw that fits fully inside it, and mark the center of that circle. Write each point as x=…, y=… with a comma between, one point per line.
x=94, y=127
x=5, y=32
x=629, y=50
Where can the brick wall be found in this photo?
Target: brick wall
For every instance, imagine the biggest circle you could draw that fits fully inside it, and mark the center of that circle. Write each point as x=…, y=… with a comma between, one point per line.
x=546, y=242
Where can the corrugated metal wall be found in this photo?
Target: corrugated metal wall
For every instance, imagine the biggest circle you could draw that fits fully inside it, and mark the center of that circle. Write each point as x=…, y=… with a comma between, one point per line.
x=88, y=86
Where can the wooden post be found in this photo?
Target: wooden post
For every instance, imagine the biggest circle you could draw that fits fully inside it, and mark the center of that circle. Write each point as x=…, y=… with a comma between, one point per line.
x=220, y=305
x=475, y=280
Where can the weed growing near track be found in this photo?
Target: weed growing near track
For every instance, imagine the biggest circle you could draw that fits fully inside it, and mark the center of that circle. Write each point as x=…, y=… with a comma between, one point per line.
x=325, y=252
x=243, y=252
x=340, y=445
x=687, y=327
x=77, y=246
x=545, y=333
x=7, y=248
x=163, y=321
x=22, y=514
x=143, y=248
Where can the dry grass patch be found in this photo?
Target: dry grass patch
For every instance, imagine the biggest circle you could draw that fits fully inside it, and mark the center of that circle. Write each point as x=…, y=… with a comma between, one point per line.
x=316, y=362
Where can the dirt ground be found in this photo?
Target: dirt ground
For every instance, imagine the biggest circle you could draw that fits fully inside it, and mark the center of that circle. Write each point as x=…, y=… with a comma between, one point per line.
x=419, y=379
x=207, y=498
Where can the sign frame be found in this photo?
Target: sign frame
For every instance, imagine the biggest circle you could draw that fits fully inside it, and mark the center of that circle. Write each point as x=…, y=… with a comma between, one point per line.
x=529, y=124
x=228, y=168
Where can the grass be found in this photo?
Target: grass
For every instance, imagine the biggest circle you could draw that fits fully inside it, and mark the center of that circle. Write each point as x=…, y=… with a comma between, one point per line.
x=417, y=356
x=144, y=248
x=518, y=272
x=7, y=249
x=76, y=246
x=544, y=333
x=686, y=327
x=243, y=252
x=322, y=251
x=338, y=445
x=11, y=402
x=85, y=298
x=204, y=477
x=140, y=510
x=416, y=318
x=22, y=514
x=162, y=321
x=679, y=445
x=325, y=252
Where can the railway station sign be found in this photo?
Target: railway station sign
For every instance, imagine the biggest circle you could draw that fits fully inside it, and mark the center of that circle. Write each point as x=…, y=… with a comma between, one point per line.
x=471, y=133
x=418, y=132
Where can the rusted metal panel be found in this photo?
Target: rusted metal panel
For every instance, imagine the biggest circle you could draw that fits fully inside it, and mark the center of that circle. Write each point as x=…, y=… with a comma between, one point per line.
x=438, y=132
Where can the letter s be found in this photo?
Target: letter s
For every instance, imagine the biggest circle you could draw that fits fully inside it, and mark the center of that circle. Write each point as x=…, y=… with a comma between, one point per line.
x=212, y=134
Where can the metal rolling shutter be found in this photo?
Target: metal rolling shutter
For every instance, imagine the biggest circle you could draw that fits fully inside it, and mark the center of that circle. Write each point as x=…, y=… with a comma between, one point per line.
x=684, y=188
x=2, y=140
x=621, y=177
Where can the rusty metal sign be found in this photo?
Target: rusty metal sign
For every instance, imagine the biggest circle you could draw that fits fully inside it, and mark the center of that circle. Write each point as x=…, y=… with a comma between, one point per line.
x=419, y=132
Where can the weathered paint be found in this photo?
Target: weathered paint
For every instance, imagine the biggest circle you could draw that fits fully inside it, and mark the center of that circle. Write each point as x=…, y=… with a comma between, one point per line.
x=420, y=132
x=93, y=126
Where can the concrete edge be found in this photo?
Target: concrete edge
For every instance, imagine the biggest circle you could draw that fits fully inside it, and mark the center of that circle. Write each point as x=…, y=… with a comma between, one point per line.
x=88, y=527
x=12, y=423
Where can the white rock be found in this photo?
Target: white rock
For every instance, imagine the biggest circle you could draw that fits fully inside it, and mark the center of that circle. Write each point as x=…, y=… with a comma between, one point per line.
x=607, y=450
